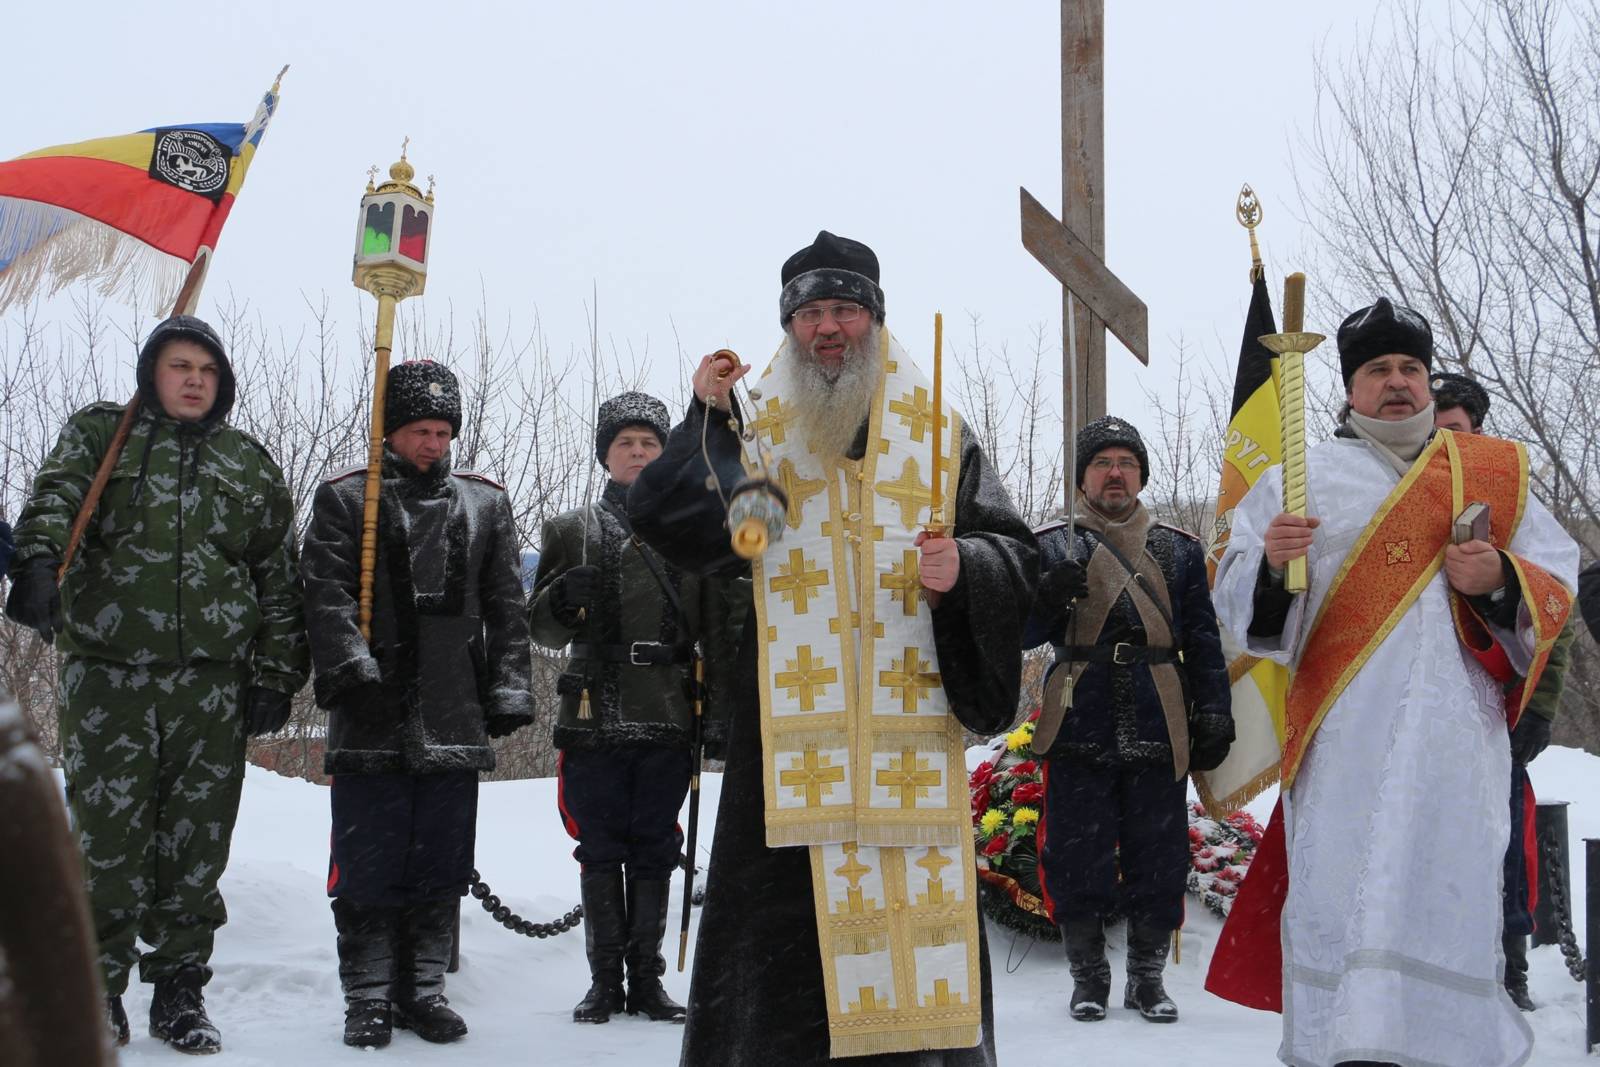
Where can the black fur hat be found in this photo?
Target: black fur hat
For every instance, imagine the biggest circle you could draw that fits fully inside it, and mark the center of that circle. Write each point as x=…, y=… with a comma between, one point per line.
x=624, y=410
x=1108, y=431
x=830, y=267
x=1383, y=329
x=186, y=328
x=1459, y=391
x=421, y=389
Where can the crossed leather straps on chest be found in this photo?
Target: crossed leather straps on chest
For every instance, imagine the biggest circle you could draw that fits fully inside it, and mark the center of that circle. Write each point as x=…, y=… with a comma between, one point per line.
x=1110, y=574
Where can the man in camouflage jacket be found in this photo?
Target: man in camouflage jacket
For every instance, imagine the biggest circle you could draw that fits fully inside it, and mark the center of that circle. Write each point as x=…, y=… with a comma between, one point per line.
x=411, y=712
x=179, y=623
x=626, y=714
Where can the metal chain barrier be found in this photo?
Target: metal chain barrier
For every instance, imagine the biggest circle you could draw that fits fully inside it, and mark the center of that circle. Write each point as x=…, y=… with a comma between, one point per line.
x=516, y=923
x=1550, y=849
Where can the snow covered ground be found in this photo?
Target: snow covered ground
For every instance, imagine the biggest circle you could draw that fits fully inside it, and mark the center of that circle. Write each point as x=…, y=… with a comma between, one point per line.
x=276, y=992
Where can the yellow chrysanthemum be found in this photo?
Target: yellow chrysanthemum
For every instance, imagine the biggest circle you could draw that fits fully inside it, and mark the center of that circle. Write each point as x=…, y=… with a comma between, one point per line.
x=992, y=820
x=1025, y=816
x=1022, y=735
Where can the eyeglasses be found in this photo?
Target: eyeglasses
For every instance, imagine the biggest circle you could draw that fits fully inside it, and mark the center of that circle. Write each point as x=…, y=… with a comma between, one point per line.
x=1102, y=463
x=841, y=313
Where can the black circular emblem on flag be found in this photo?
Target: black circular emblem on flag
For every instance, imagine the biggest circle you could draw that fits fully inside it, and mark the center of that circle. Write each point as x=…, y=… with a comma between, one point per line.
x=194, y=161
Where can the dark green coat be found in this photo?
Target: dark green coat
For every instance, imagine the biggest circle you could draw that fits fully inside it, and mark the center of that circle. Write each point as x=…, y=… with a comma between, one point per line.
x=190, y=555
x=629, y=704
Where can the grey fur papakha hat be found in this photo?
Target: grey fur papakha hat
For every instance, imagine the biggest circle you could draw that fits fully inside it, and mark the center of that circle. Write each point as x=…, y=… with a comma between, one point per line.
x=624, y=410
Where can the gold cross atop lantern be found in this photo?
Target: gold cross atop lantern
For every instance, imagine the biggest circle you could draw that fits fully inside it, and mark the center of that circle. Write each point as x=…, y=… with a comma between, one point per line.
x=391, y=262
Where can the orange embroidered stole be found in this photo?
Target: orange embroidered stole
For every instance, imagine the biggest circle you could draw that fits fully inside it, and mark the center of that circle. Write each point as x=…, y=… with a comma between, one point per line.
x=1393, y=561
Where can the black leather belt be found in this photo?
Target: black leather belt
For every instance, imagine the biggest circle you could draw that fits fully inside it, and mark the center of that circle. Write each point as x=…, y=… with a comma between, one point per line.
x=638, y=654
x=1122, y=654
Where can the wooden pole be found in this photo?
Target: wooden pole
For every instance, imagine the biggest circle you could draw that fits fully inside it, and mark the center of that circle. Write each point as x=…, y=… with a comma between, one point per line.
x=1083, y=168
x=936, y=498
x=383, y=342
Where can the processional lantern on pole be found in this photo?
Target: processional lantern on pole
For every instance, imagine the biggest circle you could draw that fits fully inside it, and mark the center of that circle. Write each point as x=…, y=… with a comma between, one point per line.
x=391, y=263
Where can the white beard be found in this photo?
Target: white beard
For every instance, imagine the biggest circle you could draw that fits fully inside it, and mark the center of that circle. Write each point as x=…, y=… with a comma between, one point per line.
x=829, y=411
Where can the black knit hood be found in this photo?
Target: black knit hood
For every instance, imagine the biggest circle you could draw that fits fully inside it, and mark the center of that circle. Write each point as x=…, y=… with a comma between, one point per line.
x=186, y=328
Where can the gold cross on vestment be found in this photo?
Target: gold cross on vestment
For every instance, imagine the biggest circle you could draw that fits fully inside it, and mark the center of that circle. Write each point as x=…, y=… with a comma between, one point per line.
x=915, y=410
x=904, y=582
x=909, y=679
x=798, y=582
x=773, y=422
x=853, y=870
x=806, y=677
x=908, y=778
x=797, y=489
x=813, y=775
x=934, y=863
x=855, y=624
x=869, y=1001
x=909, y=491
x=1397, y=552
x=1553, y=605
x=942, y=997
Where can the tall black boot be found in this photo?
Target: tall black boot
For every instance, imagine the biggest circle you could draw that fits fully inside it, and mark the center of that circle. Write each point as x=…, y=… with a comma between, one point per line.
x=426, y=932
x=117, y=1020
x=1085, y=942
x=605, y=939
x=1516, y=950
x=178, y=1013
x=1147, y=958
x=366, y=944
x=647, y=926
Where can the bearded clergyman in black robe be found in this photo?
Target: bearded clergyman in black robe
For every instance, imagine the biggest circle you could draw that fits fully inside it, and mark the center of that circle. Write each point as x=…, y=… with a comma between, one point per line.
x=841, y=917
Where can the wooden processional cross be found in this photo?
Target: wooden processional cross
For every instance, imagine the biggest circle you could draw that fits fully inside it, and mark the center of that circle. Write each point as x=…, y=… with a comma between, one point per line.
x=1074, y=249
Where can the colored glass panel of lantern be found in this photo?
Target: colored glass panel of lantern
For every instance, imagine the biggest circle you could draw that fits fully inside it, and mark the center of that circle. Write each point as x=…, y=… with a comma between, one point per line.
x=414, y=234
x=378, y=233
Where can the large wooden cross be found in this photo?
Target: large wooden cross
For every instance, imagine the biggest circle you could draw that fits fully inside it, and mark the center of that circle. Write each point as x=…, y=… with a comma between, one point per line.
x=1074, y=249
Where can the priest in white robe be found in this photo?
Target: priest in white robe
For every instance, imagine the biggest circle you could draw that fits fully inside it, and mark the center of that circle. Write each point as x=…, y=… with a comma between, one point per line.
x=1412, y=650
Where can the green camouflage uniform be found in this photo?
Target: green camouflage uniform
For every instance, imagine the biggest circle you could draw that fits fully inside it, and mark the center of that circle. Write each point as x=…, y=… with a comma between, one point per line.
x=182, y=595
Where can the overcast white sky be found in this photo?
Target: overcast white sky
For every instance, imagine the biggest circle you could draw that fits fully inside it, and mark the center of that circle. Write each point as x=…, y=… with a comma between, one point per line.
x=674, y=154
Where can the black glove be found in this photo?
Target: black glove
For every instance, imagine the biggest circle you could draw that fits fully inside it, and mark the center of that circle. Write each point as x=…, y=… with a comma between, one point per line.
x=1531, y=737
x=1210, y=737
x=35, y=601
x=7, y=546
x=503, y=725
x=575, y=591
x=265, y=710
x=363, y=701
x=1062, y=584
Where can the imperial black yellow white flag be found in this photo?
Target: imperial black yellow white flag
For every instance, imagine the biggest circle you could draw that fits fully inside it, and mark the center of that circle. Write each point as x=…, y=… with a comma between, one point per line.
x=1253, y=444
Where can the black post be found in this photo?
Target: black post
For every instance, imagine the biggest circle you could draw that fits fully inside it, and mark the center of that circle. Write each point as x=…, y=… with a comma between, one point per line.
x=1550, y=827
x=455, y=943
x=1591, y=970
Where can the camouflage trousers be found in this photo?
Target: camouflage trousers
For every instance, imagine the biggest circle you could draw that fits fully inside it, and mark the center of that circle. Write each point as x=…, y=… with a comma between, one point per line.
x=154, y=763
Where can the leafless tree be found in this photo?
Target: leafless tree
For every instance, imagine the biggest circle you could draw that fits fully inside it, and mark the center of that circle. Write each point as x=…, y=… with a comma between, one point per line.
x=1454, y=167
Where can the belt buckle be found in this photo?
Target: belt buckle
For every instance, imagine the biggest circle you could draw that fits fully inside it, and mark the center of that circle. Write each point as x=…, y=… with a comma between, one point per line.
x=1116, y=654
x=633, y=652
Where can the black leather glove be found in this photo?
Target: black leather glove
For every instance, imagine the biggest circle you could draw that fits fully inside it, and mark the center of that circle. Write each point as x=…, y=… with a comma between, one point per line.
x=504, y=725
x=1210, y=737
x=1062, y=584
x=363, y=701
x=35, y=601
x=575, y=591
x=1531, y=737
x=265, y=710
